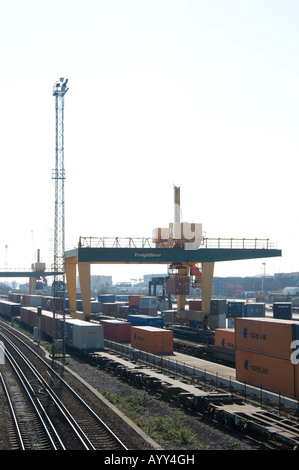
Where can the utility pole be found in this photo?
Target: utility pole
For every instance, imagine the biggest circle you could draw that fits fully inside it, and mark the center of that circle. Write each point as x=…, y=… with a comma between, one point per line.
x=58, y=175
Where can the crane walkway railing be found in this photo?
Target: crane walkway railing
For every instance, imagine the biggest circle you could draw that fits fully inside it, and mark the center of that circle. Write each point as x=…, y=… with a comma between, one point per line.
x=214, y=243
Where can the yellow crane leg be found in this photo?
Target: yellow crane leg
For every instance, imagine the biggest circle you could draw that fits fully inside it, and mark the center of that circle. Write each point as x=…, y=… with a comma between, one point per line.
x=206, y=289
x=70, y=272
x=84, y=277
x=32, y=285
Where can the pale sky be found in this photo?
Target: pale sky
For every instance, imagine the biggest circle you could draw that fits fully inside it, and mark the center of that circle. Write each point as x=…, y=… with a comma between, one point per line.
x=201, y=94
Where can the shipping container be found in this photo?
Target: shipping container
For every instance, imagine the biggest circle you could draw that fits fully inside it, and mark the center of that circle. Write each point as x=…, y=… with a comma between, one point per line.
x=149, y=302
x=24, y=315
x=265, y=335
x=84, y=335
x=35, y=300
x=195, y=305
x=255, y=309
x=168, y=316
x=106, y=298
x=133, y=300
x=122, y=298
x=47, y=303
x=124, y=309
x=282, y=310
x=133, y=309
x=109, y=307
x=148, y=311
x=225, y=338
x=117, y=330
x=95, y=306
x=217, y=321
x=235, y=308
x=10, y=309
x=270, y=372
x=151, y=339
x=47, y=323
x=120, y=304
x=218, y=307
x=146, y=320
x=177, y=286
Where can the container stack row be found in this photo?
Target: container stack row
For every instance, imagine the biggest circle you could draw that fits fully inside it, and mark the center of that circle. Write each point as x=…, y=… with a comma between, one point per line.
x=140, y=333
x=264, y=354
x=79, y=334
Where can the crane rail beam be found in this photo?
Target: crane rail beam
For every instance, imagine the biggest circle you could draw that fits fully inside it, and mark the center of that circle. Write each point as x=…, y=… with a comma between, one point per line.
x=166, y=255
x=36, y=274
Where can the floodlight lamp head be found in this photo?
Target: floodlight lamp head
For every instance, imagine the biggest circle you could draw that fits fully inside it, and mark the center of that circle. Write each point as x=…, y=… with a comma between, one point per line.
x=60, y=87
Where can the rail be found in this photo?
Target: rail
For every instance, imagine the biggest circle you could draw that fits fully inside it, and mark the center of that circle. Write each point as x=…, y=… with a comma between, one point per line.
x=215, y=243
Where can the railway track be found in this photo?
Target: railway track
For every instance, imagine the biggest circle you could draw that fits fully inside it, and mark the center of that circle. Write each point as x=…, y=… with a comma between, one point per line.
x=36, y=395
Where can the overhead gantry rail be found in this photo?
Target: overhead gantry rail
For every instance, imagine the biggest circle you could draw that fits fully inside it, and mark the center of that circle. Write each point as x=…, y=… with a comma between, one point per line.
x=94, y=250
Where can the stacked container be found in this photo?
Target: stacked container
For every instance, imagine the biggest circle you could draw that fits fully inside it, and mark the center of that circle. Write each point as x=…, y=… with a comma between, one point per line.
x=177, y=286
x=148, y=305
x=109, y=307
x=133, y=304
x=235, y=309
x=146, y=320
x=263, y=353
x=151, y=339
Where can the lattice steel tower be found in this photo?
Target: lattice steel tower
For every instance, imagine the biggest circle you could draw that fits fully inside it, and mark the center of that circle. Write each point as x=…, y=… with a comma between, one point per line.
x=58, y=175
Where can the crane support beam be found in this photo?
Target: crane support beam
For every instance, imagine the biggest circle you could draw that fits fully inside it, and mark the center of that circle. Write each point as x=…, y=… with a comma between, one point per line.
x=167, y=255
x=71, y=274
x=84, y=277
x=84, y=257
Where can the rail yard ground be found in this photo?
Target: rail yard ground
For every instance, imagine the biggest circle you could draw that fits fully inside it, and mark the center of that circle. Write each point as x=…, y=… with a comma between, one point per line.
x=170, y=427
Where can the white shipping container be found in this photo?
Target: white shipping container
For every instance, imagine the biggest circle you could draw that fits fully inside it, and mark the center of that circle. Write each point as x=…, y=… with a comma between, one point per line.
x=84, y=335
x=35, y=300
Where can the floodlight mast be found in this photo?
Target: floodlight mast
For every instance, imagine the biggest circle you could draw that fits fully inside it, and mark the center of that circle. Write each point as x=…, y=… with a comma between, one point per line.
x=58, y=175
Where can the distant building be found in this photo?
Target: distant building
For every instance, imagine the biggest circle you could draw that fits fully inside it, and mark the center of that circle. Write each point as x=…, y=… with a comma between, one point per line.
x=98, y=282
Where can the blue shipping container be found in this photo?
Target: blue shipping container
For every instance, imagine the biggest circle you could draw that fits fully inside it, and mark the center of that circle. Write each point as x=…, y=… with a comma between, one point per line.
x=106, y=298
x=235, y=309
x=146, y=320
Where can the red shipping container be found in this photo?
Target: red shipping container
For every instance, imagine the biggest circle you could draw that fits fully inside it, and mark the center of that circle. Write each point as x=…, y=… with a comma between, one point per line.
x=109, y=307
x=134, y=300
x=26, y=300
x=33, y=317
x=195, y=305
x=47, y=322
x=177, y=286
x=117, y=330
x=24, y=315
